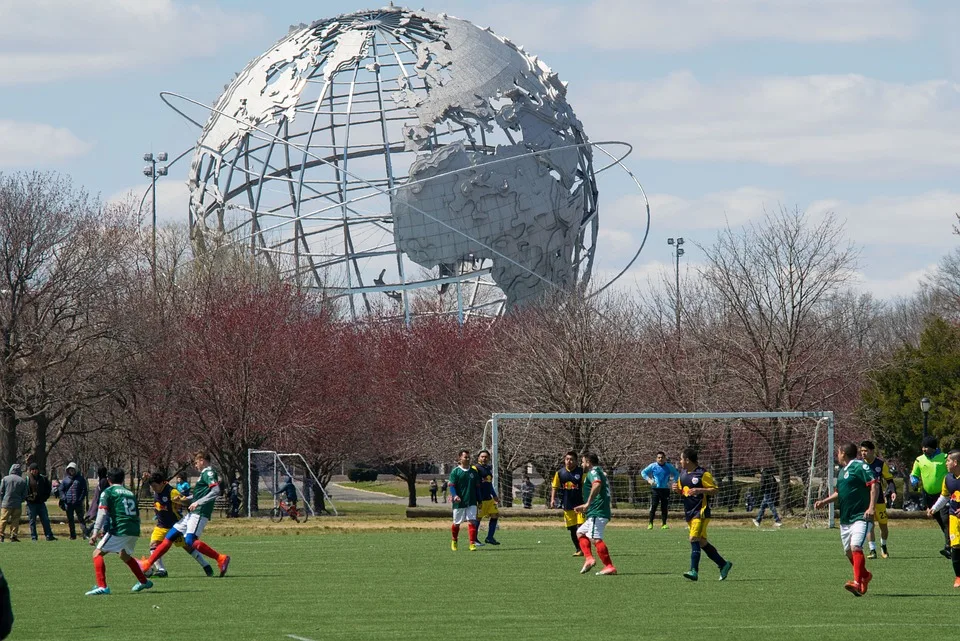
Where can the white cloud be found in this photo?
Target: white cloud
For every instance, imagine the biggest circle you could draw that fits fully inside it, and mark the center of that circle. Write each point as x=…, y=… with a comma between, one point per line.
x=30, y=144
x=822, y=124
x=886, y=288
x=681, y=25
x=173, y=199
x=49, y=40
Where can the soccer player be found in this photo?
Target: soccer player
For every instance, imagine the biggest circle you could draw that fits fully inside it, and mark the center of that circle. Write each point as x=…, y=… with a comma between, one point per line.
x=569, y=479
x=166, y=506
x=868, y=452
x=596, y=508
x=118, y=505
x=857, y=495
x=950, y=496
x=697, y=486
x=929, y=469
x=661, y=476
x=488, y=496
x=190, y=526
x=464, y=480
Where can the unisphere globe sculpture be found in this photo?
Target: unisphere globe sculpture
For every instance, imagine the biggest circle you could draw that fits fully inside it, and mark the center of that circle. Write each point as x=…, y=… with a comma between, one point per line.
x=382, y=152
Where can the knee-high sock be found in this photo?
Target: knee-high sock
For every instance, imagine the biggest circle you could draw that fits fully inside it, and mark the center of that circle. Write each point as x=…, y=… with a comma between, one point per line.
x=160, y=551
x=205, y=550
x=492, y=527
x=100, y=568
x=585, y=547
x=714, y=555
x=859, y=565
x=573, y=537
x=695, y=556
x=199, y=557
x=134, y=566
x=604, y=553
x=159, y=565
x=455, y=529
x=472, y=531
x=955, y=557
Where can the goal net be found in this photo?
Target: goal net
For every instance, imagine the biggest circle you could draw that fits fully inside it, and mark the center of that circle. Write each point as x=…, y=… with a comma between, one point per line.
x=786, y=455
x=267, y=473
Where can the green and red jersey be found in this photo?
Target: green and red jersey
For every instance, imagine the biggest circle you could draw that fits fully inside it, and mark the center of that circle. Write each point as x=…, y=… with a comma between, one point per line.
x=853, y=491
x=207, y=481
x=464, y=483
x=121, y=507
x=600, y=505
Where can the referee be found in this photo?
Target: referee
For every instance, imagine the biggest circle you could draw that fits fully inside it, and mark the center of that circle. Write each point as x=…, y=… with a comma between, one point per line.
x=929, y=469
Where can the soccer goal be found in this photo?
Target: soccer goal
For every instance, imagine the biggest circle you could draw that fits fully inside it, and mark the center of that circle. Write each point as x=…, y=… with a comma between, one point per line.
x=796, y=447
x=267, y=472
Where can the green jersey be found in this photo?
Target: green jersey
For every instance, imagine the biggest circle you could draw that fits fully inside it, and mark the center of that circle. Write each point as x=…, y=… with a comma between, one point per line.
x=600, y=505
x=931, y=471
x=121, y=507
x=207, y=481
x=853, y=490
x=464, y=483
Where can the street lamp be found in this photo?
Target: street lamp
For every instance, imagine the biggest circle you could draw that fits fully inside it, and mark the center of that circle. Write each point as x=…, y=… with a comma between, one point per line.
x=678, y=253
x=153, y=172
x=925, y=408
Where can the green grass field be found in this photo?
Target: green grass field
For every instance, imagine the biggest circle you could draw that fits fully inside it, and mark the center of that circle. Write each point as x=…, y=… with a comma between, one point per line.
x=399, y=583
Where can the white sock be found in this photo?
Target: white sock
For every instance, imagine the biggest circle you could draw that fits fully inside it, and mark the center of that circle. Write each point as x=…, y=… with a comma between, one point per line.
x=873, y=546
x=199, y=557
x=159, y=565
x=883, y=542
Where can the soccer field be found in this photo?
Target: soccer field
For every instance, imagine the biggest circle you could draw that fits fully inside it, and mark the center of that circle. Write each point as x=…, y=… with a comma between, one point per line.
x=408, y=584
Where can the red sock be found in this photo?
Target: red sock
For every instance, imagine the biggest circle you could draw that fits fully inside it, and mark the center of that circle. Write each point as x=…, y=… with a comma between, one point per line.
x=473, y=532
x=134, y=566
x=160, y=551
x=455, y=528
x=100, y=568
x=859, y=565
x=604, y=553
x=206, y=550
x=585, y=548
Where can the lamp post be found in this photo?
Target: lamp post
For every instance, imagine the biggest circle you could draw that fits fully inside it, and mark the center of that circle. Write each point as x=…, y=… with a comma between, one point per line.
x=677, y=254
x=153, y=172
x=925, y=408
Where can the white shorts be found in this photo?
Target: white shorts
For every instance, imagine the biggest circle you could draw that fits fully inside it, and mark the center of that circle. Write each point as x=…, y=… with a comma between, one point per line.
x=853, y=535
x=192, y=523
x=593, y=528
x=115, y=543
x=461, y=514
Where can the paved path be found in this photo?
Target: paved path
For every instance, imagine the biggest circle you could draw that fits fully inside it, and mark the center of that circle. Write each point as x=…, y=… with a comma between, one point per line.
x=348, y=494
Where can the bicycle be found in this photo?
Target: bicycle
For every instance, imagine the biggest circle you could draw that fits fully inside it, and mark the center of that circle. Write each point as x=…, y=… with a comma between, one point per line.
x=289, y=509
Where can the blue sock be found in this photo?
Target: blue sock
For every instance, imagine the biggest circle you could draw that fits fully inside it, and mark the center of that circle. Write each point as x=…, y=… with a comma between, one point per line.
x=491, y=528
x=714, y=555
x=695, y=556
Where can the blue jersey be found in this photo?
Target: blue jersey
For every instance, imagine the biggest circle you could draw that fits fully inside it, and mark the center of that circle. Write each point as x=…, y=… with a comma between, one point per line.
x=663, y=476
x=486, y=488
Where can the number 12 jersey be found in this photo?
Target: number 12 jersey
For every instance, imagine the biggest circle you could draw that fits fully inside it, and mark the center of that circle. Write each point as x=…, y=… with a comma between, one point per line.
x=121, y=507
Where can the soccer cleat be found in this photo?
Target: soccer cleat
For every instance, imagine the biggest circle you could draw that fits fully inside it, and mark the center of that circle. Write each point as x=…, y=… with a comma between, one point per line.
x=223, y=562
x=473, y=547
x=853, y=588
x=607, y=571
x=492, y=541
x=883, y=552
x=865, y=583
x=160, y=574
x=478, y=544
x=98, y=591
x=588, y=565
x=650, y=527
x=208, y=570
x=945, y=552
x=725, y=570
x=691, y=575
x=956, y=582
x=140, y=587
x=872, y=554
x=578, y=553
x=144, y=566
x=453, y=545
x=778, y=524
x=664, y=527
x=756, y=522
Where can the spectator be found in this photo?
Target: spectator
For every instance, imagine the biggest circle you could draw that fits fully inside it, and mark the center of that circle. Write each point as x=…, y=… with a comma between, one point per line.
x=433, y=490
x=102, y=484
x=73, y=493
x=769, y=492
x=443, y=489
x=183, y=484
x=13, y=490
x=38, y=491
x=527, y=489
x=233, y=495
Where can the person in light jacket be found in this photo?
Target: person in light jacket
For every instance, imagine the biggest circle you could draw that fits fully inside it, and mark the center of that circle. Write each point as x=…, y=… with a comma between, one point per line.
x=13, y=492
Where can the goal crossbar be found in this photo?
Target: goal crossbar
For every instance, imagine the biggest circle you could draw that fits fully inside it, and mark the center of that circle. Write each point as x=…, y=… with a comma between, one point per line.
x=818, y=415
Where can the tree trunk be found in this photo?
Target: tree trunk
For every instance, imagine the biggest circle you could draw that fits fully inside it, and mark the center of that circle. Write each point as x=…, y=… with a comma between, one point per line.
x=8, y=438
x=408, y=472
x=41, y=427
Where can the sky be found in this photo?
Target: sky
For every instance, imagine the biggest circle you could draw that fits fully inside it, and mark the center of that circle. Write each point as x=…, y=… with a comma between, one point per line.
x=732, y=107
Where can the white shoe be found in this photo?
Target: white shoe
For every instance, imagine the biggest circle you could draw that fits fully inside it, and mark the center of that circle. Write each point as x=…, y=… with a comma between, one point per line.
x=756, y=522
x=778, y=524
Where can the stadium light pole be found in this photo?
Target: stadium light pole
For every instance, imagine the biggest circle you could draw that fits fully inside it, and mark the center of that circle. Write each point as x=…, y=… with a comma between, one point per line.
x=925, y=408
x=153, y=172
x=678, y=253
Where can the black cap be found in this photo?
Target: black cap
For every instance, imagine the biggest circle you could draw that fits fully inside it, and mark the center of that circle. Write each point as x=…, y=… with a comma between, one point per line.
x=33, y=466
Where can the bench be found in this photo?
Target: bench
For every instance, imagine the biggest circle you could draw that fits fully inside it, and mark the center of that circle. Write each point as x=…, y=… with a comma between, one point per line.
x=220, y=506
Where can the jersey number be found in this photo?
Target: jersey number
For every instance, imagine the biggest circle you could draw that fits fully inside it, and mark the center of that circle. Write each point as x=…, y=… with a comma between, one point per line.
x=129, y=507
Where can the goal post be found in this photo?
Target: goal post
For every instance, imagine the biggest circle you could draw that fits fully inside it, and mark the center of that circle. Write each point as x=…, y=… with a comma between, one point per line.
x=266, y=472
x=815, y=466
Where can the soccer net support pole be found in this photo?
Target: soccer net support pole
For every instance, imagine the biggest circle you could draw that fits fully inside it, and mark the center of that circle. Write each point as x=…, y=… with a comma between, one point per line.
x=727, y=416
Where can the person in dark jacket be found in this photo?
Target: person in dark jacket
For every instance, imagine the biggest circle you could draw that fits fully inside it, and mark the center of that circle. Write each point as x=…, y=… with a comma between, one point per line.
x=770, y=492
x=73, y=493
x=38, y=491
